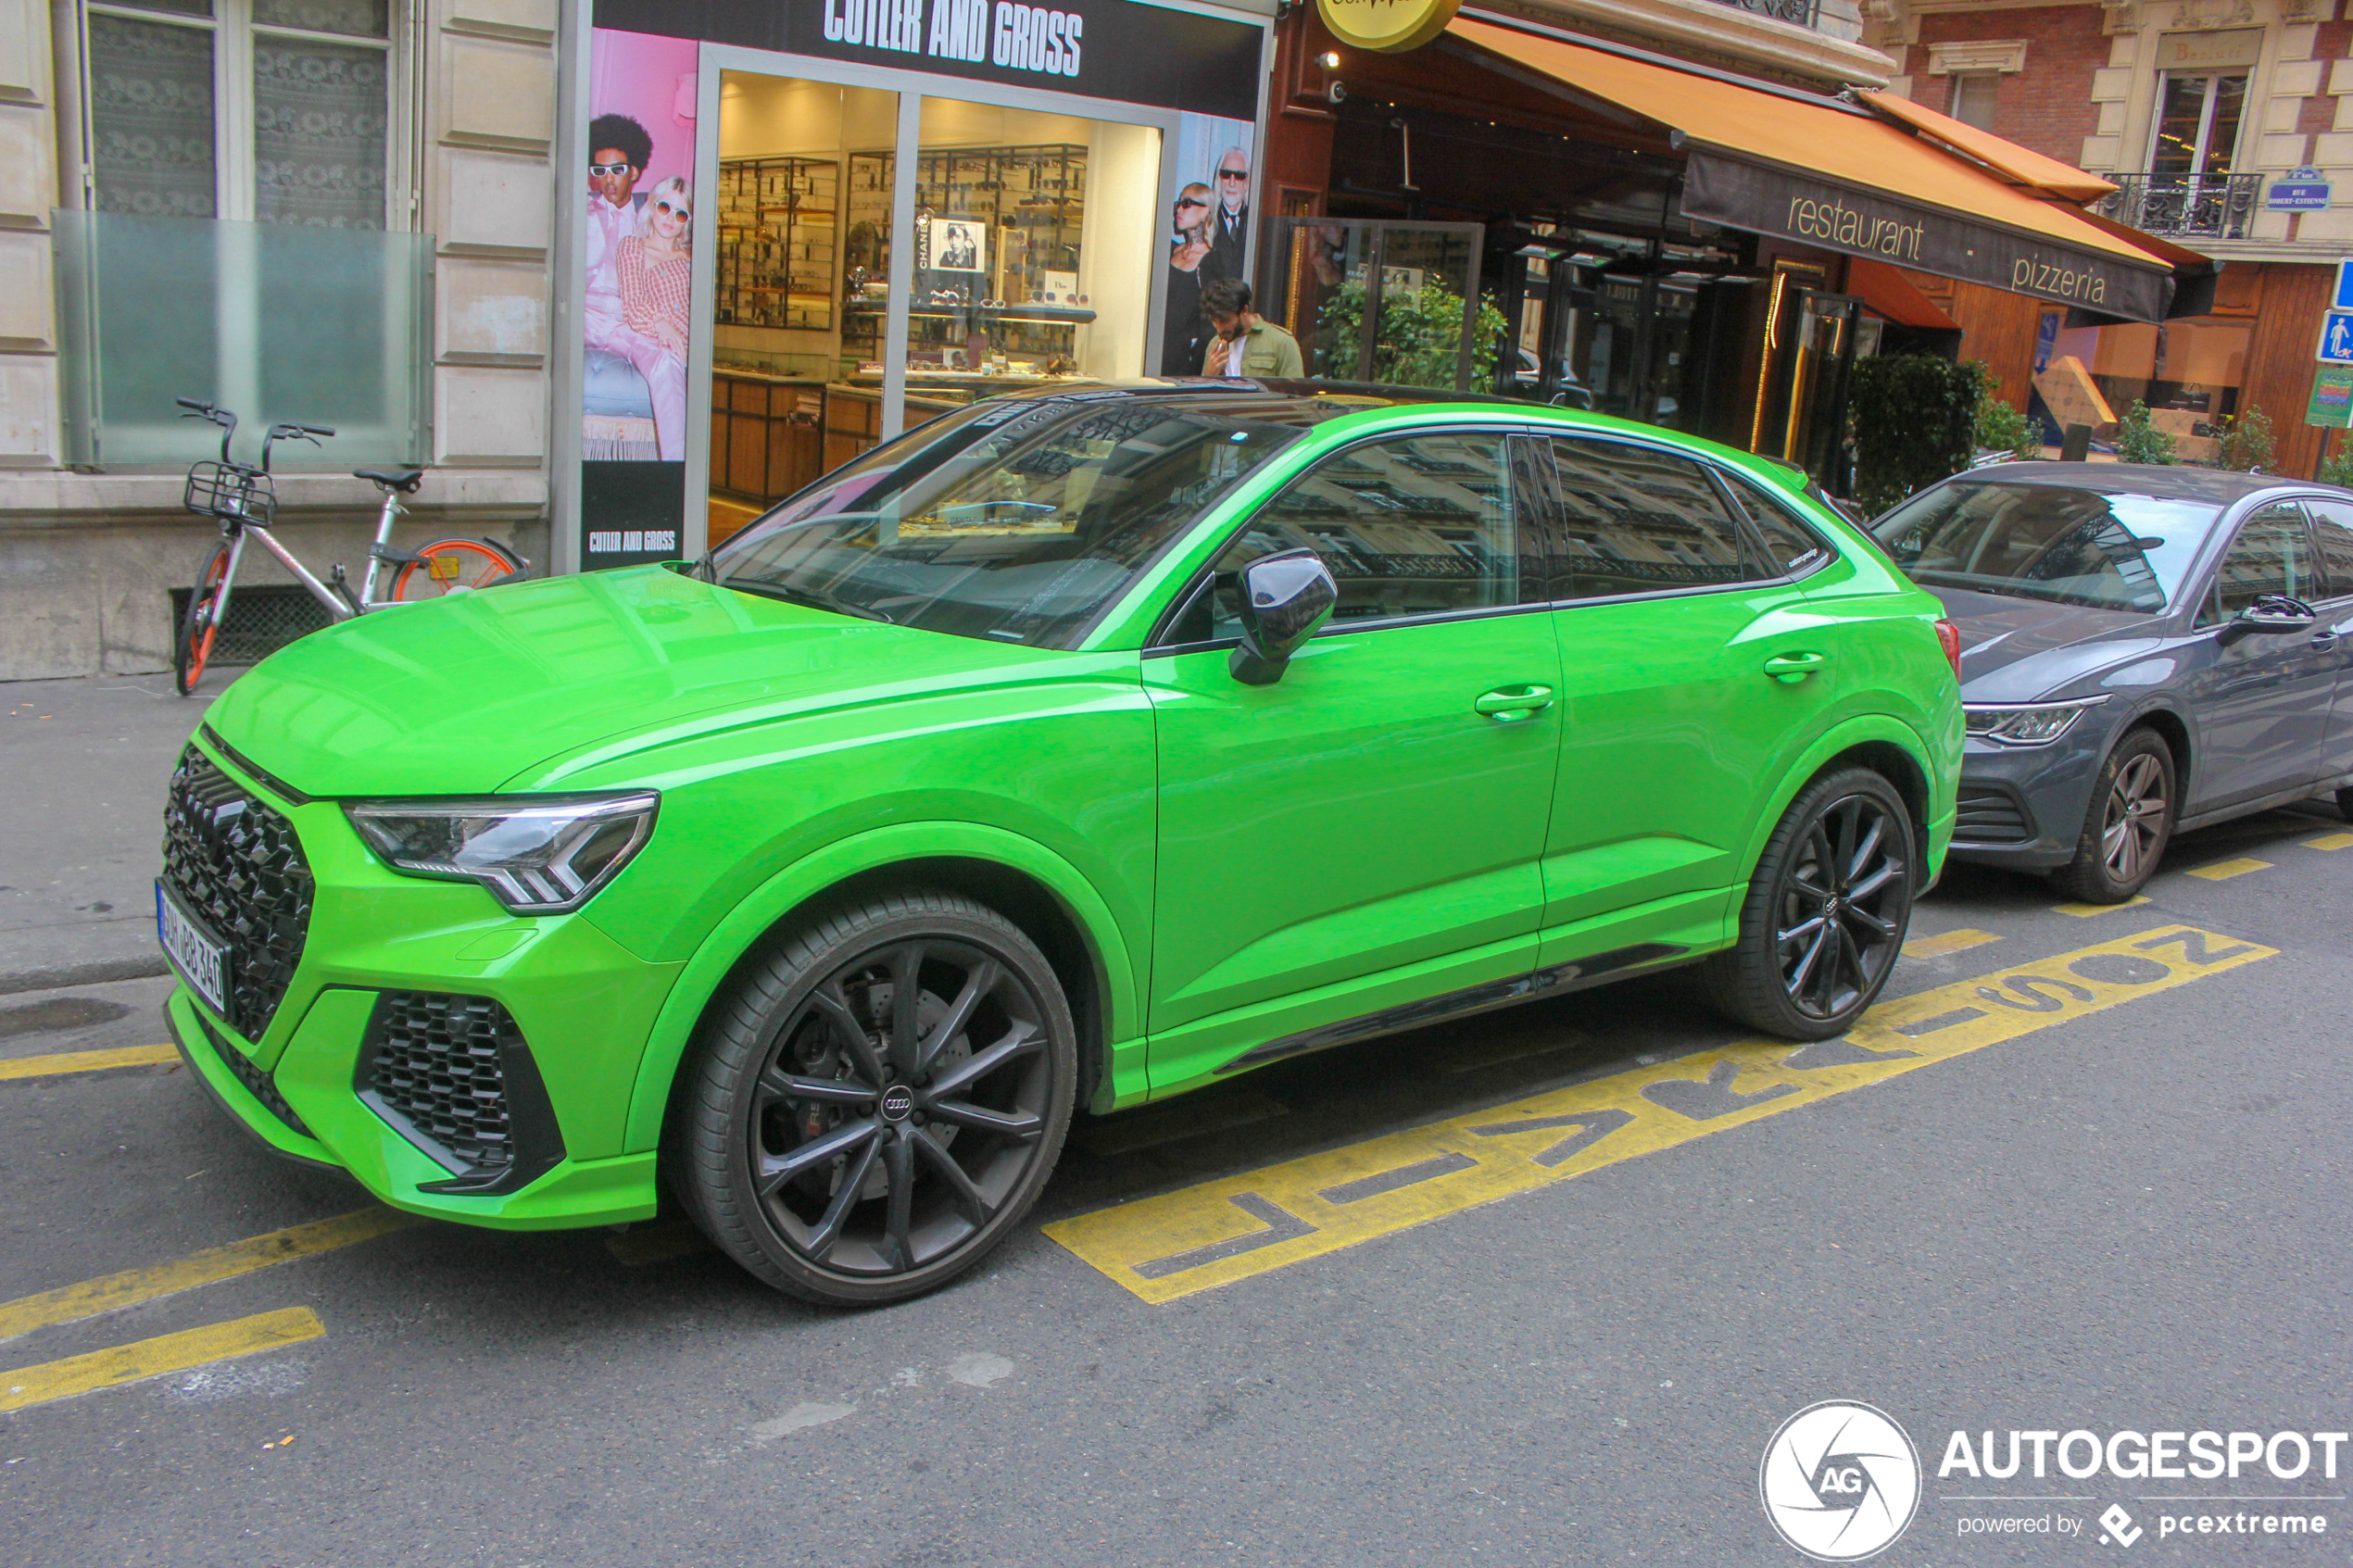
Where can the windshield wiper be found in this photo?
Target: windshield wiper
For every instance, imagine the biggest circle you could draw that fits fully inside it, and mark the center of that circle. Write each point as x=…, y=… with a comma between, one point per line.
x=815, y=598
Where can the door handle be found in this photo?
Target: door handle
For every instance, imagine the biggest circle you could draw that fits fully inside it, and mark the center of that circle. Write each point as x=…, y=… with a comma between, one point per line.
x=1507, y=704
x=1791, y=668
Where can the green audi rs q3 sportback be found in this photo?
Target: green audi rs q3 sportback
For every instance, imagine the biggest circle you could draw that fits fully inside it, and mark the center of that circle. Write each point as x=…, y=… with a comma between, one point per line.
x=1073, y=751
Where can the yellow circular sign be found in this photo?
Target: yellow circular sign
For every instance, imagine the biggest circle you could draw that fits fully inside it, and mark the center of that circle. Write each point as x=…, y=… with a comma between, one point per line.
x=1390, y=27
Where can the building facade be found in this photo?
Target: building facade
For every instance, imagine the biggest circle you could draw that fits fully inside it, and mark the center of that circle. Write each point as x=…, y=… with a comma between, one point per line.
x=2227, y=127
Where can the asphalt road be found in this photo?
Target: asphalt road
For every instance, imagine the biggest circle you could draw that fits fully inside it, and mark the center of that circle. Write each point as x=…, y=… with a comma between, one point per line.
x=2120, y=1214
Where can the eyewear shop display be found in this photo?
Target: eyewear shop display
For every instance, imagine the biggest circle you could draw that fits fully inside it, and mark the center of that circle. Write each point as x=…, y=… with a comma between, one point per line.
x=906, y=205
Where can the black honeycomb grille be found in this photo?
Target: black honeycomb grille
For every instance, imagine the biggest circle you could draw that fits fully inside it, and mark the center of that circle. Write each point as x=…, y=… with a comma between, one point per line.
x=238, y=867
x=259, y=1083
x=1991, y=816
x=433, y=1061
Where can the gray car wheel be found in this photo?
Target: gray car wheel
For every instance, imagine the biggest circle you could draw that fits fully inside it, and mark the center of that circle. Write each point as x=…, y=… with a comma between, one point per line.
x=2128, y=824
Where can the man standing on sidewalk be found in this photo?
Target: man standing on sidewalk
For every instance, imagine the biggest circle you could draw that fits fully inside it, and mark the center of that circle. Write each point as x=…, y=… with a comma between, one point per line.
x=1246, y=344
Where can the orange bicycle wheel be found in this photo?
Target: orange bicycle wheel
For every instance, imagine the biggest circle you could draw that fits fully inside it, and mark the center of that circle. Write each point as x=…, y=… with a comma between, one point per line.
x=198, y=625
x=452, y=566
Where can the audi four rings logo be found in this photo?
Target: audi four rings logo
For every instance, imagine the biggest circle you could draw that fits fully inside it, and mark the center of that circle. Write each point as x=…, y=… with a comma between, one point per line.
x=1840, y=1481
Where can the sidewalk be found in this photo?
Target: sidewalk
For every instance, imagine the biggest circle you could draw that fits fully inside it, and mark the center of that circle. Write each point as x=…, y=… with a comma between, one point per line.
x=84, y=766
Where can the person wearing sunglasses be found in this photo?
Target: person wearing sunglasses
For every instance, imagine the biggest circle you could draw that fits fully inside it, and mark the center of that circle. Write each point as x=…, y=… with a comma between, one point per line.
x=623, y=316
x=1230, y=233
x=1184, y=334
x=657, y=268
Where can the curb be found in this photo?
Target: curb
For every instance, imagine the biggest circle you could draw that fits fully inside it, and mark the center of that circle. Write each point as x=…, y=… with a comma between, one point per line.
x=54, y=978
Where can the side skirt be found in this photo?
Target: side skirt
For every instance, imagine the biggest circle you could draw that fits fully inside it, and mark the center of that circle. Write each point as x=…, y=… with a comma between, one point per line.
x=1556, y=981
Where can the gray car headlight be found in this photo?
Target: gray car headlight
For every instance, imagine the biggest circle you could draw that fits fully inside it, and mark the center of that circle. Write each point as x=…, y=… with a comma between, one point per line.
x=538, y=856
x=2026, y=723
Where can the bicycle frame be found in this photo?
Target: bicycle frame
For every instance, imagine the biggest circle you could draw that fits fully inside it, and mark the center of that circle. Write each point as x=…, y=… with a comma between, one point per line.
x=338, y=606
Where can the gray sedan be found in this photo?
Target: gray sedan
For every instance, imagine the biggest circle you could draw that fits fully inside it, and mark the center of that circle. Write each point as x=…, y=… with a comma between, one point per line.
x=2143, y=650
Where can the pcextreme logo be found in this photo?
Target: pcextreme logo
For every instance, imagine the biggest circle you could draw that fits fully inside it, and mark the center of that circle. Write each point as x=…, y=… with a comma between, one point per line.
x=1840, y=1481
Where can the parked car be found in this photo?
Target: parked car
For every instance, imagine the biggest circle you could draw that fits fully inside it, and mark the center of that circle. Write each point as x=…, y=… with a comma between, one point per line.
x=2143, y=650
x=1075, y=751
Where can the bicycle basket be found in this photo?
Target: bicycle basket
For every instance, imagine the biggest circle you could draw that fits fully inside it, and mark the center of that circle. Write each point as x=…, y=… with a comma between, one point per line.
x=230, y=492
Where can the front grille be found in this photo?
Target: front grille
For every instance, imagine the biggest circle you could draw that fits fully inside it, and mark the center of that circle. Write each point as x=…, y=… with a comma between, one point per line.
x=1991, y=816
x=261, y=1084
x=436, y=1066
x=238, y=867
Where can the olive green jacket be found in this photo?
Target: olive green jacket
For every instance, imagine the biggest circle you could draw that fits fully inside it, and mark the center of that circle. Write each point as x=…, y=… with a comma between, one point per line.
x=1270, y=352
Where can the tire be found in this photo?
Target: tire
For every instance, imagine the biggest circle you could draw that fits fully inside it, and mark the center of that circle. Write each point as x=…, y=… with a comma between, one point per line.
x=476, y=563
x=899, y=1164
x=191, y=646
x=2345, y=804
x=1818, y=942
x=2117, y=849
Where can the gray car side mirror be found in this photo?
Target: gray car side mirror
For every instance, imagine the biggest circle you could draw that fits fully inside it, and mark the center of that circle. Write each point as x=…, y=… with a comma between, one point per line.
x=2275, y=613
x=1284, y=597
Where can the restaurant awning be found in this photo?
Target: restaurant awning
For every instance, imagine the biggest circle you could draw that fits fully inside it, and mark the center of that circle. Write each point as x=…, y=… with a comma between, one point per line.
x=1840, y=178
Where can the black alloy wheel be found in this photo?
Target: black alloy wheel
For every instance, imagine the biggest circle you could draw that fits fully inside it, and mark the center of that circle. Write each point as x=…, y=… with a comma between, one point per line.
x=1826, y=912
x=2128, y=824
x=881, y=1101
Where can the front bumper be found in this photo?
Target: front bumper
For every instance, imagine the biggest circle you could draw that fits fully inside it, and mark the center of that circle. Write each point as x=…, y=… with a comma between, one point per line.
x=580, y=1003
x=2023, y=806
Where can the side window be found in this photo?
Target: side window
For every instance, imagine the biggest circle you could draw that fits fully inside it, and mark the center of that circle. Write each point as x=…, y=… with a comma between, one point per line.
x=2333, y=522
x=2270, y=555
x=1635, y=520
x=1790, y=544
x=1408, y=525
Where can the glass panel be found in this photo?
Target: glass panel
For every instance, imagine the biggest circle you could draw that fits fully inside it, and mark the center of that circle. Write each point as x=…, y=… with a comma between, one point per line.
x=1635, y=521
x=317, y=326
x=1412, y=525
x=1790, y=544
x=358, y=18
x=2223, y=135
x=2110, y=550
x=1602, y=354
x=2332, y=521
x=1034, y=248
x=173, y=8
x=1425, y=275
x=2181, y=117
x=1322, y=303
x=319, y=120
x=151, y=117
x=2270, y=556
x=1973, y=96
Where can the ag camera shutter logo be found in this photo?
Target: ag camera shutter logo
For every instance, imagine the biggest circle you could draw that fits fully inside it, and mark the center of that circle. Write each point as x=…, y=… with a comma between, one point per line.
x=1840, y=1481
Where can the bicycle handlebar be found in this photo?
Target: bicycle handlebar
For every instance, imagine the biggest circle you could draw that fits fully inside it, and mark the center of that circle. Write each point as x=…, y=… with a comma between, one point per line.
x=199, y=410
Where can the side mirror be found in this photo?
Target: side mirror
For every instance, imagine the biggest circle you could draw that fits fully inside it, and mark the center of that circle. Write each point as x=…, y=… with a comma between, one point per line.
x=1285, y=597
x=2275, y=613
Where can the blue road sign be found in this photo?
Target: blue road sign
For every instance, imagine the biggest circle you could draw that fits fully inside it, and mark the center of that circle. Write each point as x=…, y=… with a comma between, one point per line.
x=2343, y=300
x=2336, y=338
x=2300, y=189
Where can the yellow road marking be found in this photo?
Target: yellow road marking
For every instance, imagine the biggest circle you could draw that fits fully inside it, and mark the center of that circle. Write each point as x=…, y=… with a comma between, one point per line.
x=1512, y=1048
x=155, y=1358
x=1178, y=1119
x=2331, y=841
x=1236, y=1227
x=70, y=1303
x=2222, y=871
x=2086, y=911
x=640, y=1245
x=85, y=1061
x=1951, y=942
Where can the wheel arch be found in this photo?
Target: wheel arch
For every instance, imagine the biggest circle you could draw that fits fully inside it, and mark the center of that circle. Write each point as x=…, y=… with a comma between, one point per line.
x=1887, y=747
x=1022, y=879
x=2174, y=731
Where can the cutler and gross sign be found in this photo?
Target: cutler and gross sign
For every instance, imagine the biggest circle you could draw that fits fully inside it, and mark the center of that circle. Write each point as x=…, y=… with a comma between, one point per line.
x=1814, y=212
x=1114, y=49
x=1390, y=27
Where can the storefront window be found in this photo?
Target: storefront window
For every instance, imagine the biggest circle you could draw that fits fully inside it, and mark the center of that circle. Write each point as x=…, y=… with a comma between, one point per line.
x=2188, y=371
x=1417, y=281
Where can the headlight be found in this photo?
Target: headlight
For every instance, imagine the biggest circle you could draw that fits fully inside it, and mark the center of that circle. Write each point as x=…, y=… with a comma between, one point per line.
x=538, y=857
x=2029, y=723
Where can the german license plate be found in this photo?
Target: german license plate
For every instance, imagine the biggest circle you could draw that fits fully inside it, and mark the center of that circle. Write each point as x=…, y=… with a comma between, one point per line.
x=202, y=961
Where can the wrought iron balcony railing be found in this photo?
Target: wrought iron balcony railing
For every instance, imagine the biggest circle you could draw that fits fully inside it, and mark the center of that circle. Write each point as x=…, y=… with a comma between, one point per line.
x=2216, y=207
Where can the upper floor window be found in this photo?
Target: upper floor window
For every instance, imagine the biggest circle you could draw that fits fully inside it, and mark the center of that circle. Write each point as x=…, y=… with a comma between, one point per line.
x=1974, y=95
x=2198, y=125
x=273, y=110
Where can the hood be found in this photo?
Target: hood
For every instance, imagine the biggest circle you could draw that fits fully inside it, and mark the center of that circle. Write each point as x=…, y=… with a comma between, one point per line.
x=476, y=692
x=2018, y=650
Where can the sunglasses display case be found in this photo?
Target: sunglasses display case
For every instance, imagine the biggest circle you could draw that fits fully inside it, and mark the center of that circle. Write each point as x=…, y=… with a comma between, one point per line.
x=778, y=227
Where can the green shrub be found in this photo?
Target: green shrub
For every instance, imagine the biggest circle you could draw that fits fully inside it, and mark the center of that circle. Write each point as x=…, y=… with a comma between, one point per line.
x=2247, y=442
x=2337, y=468
x=2001, y=428
x=1915, y=419
x=2137, y=440
x=1420, y=332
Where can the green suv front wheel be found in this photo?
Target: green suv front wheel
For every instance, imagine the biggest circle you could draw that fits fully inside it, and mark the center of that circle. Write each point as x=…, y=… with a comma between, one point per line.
x=878, y=1102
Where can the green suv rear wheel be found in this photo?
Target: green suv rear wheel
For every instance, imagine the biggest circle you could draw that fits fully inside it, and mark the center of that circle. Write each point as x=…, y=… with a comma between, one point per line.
x=879, y=1100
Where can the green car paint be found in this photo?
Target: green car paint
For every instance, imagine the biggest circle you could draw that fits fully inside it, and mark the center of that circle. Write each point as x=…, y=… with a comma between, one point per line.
x=1135, y=795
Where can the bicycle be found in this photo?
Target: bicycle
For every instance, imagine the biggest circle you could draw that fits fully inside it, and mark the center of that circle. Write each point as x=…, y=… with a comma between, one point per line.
x=243, y=499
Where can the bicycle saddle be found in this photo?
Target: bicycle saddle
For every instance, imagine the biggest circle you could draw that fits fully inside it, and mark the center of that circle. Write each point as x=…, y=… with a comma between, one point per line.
x=403, y=479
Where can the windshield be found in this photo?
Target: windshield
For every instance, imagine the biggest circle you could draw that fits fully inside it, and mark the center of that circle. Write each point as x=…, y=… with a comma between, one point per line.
x=1014, y=519
x=2104, y=551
